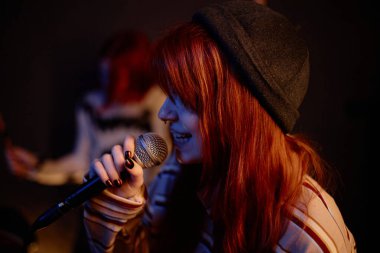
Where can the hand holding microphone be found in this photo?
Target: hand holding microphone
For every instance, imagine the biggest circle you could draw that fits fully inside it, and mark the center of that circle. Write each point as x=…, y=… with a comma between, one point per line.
x=118, y=171
x=122, y=168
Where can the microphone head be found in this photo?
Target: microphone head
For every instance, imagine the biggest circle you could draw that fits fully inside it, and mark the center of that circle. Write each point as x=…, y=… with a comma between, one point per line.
x=151, y=150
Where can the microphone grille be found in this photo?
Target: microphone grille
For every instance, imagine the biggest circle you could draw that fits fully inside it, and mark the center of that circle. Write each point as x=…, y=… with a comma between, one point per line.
x=151, y=150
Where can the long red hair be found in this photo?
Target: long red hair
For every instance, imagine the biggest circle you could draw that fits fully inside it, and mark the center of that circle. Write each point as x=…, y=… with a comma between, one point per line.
x=252, y=170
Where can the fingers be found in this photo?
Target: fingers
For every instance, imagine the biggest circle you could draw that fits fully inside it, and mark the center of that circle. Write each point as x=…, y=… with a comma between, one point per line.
x=101, y=172
x=111, y=170
x=129, y=144
x=108, y=167
x=118, y=167
x=134, y=170
x=118, y=157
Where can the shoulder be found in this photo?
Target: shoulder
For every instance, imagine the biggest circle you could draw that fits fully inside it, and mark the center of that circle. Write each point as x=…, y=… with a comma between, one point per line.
x=316, y=224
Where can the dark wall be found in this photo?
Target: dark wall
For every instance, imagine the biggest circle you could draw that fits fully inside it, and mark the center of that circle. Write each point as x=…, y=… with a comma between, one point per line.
x=48, y=60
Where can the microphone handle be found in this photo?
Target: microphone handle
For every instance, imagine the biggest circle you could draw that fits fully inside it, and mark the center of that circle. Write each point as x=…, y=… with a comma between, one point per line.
x=89, y=189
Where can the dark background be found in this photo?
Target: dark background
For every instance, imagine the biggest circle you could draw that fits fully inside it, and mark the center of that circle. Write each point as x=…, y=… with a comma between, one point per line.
x=48, y=59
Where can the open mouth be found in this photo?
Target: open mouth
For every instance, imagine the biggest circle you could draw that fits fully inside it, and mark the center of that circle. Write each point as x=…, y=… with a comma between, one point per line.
x=181, y=138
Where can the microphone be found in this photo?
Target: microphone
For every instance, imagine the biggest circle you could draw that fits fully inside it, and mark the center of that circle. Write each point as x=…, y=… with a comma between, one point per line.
x=151, y=150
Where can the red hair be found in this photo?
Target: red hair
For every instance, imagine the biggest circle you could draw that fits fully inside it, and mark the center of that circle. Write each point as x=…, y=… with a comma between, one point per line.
x=129, y=76
x=251, y=169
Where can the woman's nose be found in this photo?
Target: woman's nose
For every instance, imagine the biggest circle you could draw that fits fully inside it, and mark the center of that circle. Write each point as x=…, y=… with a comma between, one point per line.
x=167, y=111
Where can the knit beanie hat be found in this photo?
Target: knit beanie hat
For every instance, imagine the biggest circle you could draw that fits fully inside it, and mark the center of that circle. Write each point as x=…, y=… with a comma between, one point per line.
x=265, y=50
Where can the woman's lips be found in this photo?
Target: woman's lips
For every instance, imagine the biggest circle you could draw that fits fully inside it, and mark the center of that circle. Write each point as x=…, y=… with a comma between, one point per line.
x=180, y=138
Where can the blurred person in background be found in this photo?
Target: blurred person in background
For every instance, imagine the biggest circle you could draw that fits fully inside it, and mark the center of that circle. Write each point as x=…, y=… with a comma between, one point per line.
x=126, y=103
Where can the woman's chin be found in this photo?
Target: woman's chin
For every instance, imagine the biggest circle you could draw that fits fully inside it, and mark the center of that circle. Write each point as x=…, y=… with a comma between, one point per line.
x=185, y=158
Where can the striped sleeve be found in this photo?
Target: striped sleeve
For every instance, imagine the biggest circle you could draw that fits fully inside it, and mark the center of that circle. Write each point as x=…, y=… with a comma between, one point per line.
x=108, y=214
x=316, y=225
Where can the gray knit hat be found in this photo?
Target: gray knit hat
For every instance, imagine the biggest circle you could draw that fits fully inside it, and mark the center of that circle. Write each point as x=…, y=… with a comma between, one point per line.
x=263, y=46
